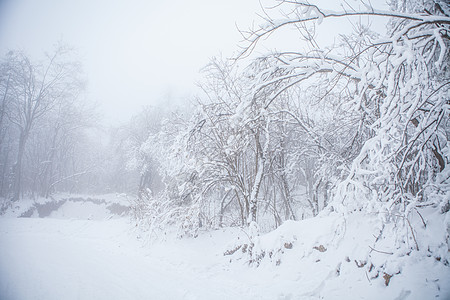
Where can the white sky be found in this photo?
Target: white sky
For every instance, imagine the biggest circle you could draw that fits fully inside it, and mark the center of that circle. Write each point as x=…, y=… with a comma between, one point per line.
x=135, y=52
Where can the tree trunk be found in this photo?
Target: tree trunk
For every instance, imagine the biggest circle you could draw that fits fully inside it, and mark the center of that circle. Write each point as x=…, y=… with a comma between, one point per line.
x=4, y=170
x=3, y=109
x=287, y=196
x=258, y=179
x=17, y=184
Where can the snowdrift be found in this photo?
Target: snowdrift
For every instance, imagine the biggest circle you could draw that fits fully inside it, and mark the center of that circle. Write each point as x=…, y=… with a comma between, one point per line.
x=68, y=206
x=335, y=254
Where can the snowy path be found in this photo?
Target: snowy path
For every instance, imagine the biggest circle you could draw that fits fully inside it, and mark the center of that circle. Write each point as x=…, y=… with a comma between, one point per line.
x=84, y=259
x=83, y=251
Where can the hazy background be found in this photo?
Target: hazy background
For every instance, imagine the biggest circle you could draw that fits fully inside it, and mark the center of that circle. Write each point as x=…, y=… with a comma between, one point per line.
x=135, y=52
x=139, y=52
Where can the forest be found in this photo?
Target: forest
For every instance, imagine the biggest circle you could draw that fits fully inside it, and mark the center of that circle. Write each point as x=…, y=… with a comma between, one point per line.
x=360, y=127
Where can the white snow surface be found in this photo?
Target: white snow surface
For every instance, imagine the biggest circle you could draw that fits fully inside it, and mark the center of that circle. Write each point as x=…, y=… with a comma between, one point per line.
x=64, y=257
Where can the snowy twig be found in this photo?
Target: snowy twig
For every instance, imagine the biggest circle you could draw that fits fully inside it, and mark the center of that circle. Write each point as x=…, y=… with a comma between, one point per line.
x=379, y=251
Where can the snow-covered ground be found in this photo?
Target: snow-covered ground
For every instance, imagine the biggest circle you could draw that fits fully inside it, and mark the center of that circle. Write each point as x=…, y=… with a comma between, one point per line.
x=83, y=251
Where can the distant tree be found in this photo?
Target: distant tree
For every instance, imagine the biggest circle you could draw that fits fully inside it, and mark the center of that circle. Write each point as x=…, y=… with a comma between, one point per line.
x=135, y=134
x=31, y=93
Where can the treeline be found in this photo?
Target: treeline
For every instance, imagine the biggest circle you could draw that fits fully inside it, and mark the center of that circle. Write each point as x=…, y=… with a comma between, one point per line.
x=42, y=117
x=360, y=126
x=51, y=137
x=363, y=125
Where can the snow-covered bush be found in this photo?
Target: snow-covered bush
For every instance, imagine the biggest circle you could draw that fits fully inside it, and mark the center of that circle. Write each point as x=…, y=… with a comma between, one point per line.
x=396, y=90
x=159, y=216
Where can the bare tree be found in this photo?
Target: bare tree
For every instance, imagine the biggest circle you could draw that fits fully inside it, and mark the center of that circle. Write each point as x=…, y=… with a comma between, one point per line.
x=34, y=90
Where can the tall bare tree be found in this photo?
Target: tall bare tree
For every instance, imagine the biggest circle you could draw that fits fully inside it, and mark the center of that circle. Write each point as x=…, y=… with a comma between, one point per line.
x=34, y=89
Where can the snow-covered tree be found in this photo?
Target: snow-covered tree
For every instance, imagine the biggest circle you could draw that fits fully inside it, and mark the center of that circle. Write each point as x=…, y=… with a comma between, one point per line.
x=397, y=87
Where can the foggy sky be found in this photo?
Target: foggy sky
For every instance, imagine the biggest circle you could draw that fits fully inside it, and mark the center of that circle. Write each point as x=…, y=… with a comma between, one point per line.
x=134, y=53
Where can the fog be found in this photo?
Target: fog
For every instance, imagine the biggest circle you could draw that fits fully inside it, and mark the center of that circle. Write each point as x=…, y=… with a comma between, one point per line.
x=105, y=96
x=318, y=135
x=134, y=53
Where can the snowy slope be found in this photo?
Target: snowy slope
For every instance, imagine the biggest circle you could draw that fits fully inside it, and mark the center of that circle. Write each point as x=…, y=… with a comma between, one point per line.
x=68, y=258
x=335, y=258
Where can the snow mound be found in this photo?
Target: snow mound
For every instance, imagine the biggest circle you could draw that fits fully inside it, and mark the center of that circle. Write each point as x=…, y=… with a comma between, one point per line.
x=71, y=207
x=358, y=251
